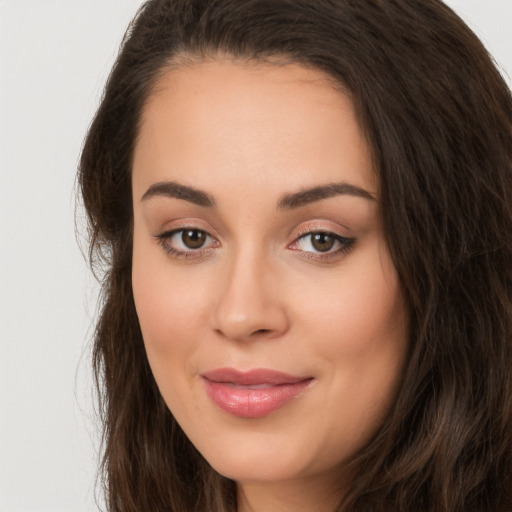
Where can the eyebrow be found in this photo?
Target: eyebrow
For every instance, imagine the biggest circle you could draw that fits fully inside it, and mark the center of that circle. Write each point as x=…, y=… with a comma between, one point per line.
x=287, y=202
x=311, y=195
x=178, y=191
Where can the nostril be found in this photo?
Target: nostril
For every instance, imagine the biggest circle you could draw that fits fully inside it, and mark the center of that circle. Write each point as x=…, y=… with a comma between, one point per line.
x=259, y=332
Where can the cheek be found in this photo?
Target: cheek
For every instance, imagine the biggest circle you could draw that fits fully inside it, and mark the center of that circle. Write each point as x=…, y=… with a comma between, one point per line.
x=169, y=307
x=362, y=310
x=359, y=326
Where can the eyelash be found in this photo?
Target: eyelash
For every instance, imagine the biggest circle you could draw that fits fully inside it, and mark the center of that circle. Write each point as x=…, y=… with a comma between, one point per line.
x=347, y=244
x=165, y=237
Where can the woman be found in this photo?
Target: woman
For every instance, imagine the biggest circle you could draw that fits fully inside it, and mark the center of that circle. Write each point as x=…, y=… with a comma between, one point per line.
x=305, y=214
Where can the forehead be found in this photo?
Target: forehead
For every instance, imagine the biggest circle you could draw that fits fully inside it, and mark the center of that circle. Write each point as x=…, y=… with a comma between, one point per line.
x=250, y=124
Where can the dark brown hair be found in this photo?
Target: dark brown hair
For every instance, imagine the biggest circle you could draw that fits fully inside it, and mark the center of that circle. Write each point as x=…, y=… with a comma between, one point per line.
x=438, y=118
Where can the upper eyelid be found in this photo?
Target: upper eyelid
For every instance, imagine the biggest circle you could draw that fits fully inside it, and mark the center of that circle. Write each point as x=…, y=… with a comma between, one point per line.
x=173, y=231
x=332, y=234
x=347, y=243
x=317, y=227
x=312, y=231
x=299, y=234
x=162, y=237
x=313, y=224
x=181, y=226
x=339, y=238
x=293, y=234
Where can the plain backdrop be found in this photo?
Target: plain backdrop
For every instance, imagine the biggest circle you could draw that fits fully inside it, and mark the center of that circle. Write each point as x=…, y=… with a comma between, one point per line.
x=54, y=58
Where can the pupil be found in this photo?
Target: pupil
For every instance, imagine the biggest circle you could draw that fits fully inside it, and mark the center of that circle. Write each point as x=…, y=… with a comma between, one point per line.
x=322, y=242
x=193, y=238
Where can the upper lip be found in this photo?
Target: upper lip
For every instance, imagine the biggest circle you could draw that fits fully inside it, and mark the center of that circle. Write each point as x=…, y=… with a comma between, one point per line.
x=251, y=377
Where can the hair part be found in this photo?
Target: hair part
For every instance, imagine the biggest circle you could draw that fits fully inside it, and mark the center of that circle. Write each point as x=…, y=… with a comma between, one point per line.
x=438, y=118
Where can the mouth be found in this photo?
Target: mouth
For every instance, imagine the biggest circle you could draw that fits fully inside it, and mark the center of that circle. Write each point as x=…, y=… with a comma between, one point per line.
x=255, y=393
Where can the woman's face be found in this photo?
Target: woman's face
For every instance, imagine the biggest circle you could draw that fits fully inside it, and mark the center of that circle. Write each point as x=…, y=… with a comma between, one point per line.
x=271, y=311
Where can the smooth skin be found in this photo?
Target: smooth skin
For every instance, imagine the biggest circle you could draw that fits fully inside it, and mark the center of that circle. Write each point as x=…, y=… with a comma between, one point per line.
x=234, y=267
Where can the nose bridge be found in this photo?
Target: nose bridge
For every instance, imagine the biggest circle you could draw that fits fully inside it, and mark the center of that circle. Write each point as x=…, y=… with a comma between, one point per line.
x=248, y=303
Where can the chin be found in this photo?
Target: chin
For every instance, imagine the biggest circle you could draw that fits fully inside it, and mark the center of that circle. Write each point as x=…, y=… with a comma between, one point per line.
x=264, y=461
x=269, y=470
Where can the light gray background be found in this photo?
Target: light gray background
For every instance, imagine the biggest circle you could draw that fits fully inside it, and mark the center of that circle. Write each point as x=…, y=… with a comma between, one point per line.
x=54, y=58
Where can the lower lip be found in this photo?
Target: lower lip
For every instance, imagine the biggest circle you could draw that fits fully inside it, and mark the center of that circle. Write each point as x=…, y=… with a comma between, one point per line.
x=246, y=402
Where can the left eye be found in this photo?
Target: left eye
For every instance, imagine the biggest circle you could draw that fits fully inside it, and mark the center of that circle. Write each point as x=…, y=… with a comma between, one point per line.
x=190, y=238
x=321, y=242
x=186, y=240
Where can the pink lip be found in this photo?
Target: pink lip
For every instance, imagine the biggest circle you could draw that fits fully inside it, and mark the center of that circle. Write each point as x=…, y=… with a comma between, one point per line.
x=255, y=393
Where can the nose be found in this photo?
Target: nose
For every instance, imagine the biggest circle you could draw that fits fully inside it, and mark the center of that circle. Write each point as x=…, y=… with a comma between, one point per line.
x=249, y=304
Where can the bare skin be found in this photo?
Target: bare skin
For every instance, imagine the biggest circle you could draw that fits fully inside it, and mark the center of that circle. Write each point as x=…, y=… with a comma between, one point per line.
x=234, y=267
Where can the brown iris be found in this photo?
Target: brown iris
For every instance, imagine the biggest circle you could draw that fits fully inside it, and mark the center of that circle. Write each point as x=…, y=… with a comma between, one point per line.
x=322, y=242
x=193, y=238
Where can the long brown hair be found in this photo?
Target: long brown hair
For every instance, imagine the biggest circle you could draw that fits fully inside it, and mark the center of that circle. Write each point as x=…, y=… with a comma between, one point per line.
x=438, y=118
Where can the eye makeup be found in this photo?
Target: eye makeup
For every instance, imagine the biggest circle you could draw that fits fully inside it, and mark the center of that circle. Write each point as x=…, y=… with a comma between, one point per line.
x=192, y=242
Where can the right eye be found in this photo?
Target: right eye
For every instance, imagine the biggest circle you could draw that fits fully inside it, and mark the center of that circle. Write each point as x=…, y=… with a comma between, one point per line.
x=186, y=242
